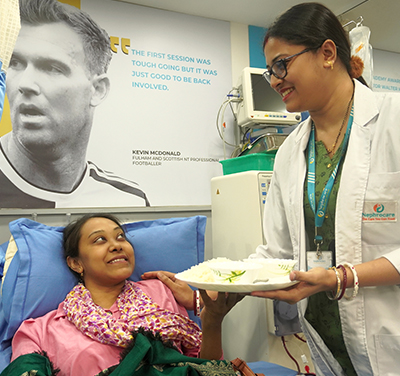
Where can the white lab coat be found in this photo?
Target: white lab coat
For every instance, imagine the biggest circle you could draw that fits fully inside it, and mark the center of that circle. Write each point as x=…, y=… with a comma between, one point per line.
x=370, y=175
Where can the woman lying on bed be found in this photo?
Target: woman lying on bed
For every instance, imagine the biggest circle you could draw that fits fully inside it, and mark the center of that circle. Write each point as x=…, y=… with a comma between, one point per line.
x=88, y=331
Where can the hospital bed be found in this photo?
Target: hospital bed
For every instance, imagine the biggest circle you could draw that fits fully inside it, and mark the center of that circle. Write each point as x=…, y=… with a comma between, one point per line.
x=35, y=277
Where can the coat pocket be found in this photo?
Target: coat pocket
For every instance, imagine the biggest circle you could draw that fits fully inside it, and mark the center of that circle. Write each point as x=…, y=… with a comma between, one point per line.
x=380, y=215
x=387, y=354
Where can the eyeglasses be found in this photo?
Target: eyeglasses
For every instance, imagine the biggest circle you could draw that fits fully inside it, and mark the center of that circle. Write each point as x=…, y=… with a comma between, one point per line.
x=279, y=68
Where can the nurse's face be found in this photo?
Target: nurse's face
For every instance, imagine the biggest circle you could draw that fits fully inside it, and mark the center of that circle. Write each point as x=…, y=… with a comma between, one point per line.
x=49, y=87
x=298, y=88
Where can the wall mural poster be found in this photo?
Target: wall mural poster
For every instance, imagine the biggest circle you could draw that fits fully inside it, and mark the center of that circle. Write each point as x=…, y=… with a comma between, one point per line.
x=386, y=76
x=136, y=131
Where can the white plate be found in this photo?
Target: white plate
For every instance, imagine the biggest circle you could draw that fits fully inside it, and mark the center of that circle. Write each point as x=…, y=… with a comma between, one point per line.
x=273, y=284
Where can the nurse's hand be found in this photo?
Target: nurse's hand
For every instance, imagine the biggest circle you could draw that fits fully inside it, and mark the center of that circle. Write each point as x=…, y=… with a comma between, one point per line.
x=309, y=283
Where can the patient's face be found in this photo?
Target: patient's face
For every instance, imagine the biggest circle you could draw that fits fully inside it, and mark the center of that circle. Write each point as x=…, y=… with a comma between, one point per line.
x=105, y=255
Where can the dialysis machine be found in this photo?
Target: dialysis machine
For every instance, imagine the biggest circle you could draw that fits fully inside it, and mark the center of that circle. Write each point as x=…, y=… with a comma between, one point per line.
x=237, y=202
x=252, y=329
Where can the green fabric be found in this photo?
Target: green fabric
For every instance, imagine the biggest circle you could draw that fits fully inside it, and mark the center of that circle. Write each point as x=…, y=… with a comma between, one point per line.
x=29, y=365
x=322, y=313
x=150, y=357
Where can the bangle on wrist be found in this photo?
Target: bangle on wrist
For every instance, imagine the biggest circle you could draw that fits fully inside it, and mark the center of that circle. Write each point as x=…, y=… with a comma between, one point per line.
x=355, y=283
x=196, y=302
x=330, y=294
x=344, y=282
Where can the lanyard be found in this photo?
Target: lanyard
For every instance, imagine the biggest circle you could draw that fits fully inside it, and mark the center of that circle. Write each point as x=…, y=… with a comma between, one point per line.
x=320, y=210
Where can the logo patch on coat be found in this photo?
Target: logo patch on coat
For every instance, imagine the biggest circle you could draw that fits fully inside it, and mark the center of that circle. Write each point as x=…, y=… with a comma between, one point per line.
x=382, y=211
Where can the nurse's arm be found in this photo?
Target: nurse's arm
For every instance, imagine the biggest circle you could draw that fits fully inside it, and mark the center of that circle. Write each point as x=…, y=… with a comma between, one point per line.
x=379, y=272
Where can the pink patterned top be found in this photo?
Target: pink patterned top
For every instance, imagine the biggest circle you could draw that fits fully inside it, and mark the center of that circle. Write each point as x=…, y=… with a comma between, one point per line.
x=74, y=352
x=137, y=310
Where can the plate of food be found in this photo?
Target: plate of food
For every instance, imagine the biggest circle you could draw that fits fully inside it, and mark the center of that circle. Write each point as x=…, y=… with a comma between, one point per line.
x=225, y=275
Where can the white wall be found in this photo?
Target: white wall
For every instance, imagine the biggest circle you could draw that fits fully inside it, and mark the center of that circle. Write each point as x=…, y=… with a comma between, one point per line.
x=386, y=71
x=239, y=49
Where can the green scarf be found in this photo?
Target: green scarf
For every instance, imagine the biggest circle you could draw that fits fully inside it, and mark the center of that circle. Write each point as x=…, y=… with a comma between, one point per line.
x=30, y=365
x=150, y=356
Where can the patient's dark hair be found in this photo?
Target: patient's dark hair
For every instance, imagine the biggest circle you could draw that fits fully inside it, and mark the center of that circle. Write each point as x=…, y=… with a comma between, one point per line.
x=72, y=233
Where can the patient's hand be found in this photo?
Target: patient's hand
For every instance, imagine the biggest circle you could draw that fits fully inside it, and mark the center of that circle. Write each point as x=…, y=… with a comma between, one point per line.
x=212, y=316
x=181, y=290
x=218, y=304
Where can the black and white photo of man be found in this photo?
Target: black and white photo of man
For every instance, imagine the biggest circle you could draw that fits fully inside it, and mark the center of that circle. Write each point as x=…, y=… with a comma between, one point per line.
x=56, y=78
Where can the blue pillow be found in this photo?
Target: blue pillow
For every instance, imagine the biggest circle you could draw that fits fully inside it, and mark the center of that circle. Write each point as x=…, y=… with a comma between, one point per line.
x=2, y=88
x=3, y=249
x=38, y=278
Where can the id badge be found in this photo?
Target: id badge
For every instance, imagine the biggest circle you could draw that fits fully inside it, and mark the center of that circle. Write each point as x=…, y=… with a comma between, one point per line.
x=325, y=261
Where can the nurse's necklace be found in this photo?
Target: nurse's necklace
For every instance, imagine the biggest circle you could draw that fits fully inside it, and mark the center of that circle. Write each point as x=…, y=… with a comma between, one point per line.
x=332, y=149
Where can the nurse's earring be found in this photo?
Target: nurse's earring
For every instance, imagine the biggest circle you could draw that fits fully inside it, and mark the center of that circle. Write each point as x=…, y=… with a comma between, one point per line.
x=330, y=63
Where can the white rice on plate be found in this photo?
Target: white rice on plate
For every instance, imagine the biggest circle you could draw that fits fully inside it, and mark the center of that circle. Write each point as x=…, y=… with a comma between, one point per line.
x=201, y=272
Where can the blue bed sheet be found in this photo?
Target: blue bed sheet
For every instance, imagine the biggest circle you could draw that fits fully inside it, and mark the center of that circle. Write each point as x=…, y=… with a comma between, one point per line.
x=271, y=369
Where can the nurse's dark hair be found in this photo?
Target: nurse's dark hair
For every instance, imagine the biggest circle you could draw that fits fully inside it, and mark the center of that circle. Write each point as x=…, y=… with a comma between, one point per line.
x=95, y=40
x=310, y=25
x=72, y=232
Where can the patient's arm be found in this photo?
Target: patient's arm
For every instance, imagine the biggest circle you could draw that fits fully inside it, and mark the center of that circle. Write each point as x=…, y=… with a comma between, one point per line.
x=212, y=316
x=26, y=340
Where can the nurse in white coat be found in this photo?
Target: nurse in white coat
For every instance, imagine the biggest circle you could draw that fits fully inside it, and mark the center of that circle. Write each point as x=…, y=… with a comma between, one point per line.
x=333, y=201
